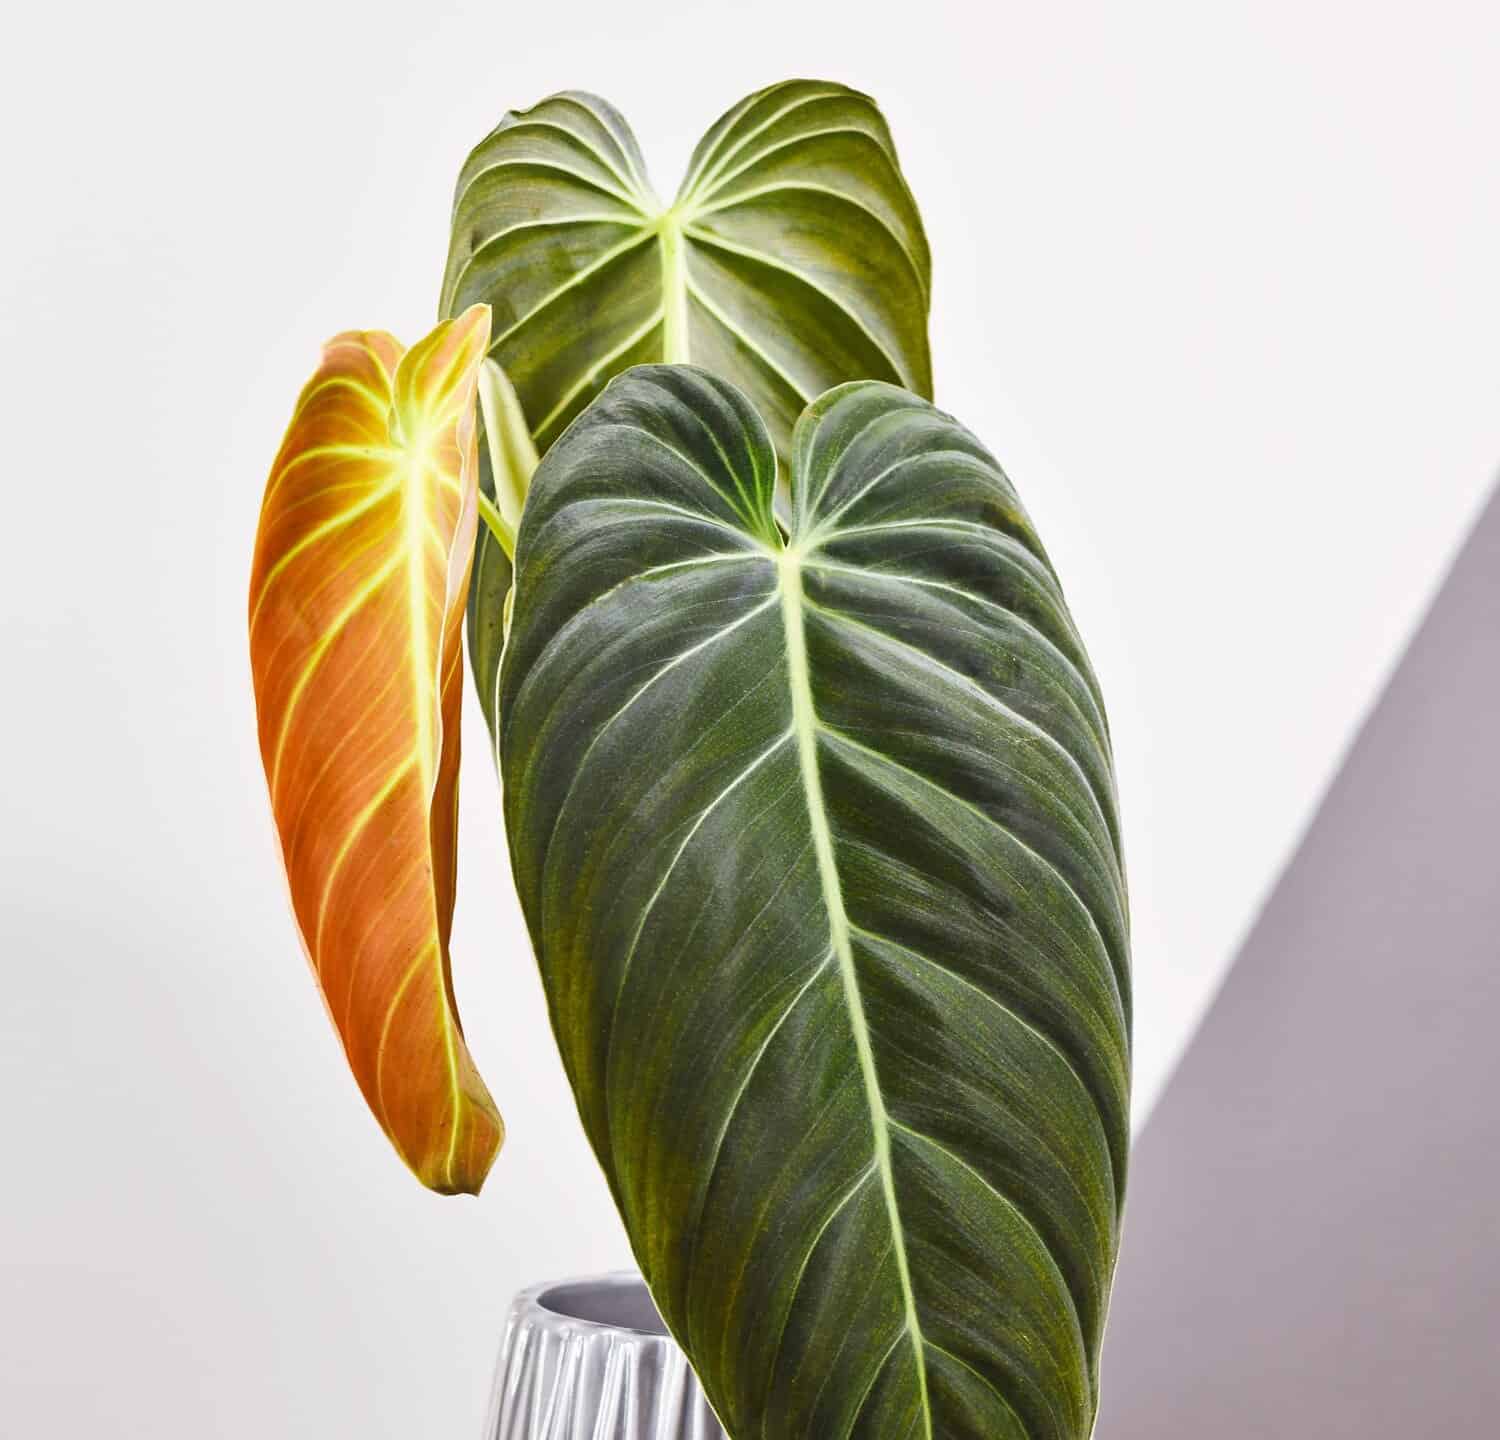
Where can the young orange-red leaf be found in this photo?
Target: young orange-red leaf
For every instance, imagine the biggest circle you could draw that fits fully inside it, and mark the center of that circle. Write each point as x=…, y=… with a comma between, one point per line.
x=356, y=604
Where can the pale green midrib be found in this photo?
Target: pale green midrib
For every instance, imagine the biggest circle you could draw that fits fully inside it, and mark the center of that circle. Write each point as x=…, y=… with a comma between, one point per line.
x=676, y=349
x=804, y=727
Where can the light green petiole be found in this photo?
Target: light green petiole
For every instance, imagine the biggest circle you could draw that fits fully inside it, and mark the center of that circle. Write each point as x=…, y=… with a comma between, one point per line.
x=513, y=456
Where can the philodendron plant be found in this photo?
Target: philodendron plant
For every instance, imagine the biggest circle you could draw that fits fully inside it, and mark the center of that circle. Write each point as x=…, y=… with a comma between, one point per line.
x=807, y=783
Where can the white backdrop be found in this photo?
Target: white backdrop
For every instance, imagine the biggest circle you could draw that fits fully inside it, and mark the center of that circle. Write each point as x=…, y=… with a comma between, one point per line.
x=1219, y=285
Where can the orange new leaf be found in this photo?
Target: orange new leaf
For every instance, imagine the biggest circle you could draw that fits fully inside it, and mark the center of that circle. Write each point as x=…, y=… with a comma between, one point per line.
x=356, y=604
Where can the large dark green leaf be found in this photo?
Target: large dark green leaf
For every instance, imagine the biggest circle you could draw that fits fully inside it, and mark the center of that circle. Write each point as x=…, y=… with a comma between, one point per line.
x=816, y=841
x=792, y=259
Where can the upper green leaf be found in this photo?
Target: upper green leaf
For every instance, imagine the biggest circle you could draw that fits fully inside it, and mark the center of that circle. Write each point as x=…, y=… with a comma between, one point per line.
x=816, y=840
x=792, y=259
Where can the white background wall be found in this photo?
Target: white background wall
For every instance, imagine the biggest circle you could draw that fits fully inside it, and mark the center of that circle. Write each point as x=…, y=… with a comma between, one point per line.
x=1220, y=285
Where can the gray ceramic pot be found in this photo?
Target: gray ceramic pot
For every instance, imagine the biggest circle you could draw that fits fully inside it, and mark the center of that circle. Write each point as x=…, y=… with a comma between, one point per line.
x=590, y=1359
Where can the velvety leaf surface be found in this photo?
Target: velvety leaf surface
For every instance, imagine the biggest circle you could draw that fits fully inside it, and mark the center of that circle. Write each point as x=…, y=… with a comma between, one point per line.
x=816, y=839
x=356, y=605
x=791, y=259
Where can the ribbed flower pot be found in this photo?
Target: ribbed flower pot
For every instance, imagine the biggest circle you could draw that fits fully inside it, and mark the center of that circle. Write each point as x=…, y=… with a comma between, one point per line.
x=590, y=1359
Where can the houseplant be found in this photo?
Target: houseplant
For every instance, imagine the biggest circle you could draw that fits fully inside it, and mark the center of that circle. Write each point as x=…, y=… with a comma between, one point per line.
x=806, y=778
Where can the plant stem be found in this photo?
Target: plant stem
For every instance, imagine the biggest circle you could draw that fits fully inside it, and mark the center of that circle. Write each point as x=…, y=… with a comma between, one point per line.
x=512, y=455
x=489, y=512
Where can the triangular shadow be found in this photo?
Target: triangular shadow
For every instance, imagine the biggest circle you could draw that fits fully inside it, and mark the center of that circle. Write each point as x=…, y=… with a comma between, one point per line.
x=1312, y=1237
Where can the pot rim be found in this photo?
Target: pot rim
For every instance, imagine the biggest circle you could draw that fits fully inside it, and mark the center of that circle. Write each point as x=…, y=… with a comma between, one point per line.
x=536, y=1300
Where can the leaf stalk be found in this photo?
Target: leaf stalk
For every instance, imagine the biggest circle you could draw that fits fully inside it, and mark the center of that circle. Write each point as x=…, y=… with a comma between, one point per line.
x=512, y=452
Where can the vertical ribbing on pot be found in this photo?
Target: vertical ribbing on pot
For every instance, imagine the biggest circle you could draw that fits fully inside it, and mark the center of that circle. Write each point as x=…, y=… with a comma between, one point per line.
x=590, y=1360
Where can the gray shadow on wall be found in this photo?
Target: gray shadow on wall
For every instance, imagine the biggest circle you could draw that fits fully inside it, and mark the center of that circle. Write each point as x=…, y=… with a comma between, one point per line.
x=1312, y=1236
